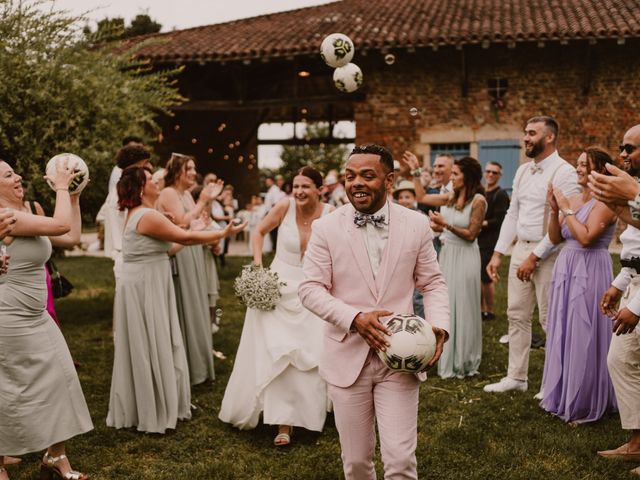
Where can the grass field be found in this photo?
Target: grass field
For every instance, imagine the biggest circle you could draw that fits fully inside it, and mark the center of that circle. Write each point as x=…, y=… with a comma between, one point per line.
x=463, y=432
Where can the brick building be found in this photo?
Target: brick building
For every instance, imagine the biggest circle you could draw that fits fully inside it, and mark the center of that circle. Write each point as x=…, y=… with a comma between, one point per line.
x=440, y=75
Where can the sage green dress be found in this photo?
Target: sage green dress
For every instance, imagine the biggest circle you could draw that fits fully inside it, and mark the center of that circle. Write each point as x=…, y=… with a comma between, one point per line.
x=460, y=263
x=192, y=297
x=150, y=384
x=41, y=401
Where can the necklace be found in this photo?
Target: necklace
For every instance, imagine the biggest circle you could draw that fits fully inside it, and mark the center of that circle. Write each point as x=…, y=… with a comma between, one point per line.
x=308, y=219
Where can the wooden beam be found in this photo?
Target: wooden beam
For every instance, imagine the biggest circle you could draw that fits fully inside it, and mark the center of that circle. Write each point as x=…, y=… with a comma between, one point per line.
x=310, y=141
x=234, y=105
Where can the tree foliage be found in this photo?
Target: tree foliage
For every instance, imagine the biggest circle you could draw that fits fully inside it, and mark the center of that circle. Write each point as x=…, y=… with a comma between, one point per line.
x=61, y=94
x=109, y=29
x=322, y=157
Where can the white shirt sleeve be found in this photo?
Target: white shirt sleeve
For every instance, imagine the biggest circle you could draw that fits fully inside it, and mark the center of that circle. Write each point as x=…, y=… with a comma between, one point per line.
x=621, y=282
x=544, y=248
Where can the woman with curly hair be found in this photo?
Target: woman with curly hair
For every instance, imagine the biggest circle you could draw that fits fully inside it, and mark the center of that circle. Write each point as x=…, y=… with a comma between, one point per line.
x=461, y=221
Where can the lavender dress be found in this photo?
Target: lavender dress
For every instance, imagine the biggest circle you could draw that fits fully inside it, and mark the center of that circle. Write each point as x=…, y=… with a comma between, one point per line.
x=576, y=383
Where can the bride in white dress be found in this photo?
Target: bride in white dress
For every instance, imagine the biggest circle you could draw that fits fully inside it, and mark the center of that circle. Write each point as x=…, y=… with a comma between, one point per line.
x=276, y=366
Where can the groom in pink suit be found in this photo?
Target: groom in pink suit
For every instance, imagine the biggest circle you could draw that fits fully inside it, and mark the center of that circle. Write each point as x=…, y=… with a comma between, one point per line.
x=362, y=263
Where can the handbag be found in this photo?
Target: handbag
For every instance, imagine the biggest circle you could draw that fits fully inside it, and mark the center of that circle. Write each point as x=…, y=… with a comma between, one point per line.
x=60, y=286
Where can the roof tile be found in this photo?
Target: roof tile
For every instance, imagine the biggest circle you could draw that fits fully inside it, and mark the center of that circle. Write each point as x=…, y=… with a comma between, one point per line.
x=398, y=23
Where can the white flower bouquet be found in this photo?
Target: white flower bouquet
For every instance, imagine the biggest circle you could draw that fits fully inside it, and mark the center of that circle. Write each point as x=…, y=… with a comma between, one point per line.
x=258, y=287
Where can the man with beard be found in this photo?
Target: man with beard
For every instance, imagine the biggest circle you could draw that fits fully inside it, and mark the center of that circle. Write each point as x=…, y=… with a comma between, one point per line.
x=362, y=263
x=533, y=255
x=621, y=193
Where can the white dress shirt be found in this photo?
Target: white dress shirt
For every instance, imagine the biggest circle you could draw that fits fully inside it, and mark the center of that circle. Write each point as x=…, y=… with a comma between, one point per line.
x=274, y=195
x=376, y=238
x=630, y=239
x=524, y=219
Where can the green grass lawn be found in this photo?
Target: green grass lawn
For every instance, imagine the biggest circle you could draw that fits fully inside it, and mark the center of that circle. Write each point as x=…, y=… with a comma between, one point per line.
x=463, y=432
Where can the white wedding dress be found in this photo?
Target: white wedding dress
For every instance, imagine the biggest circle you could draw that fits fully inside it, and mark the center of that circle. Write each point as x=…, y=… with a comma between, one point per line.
x=276, y=366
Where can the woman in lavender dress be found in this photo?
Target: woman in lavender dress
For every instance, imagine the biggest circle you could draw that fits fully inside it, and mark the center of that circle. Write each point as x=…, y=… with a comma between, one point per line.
x=576, y=385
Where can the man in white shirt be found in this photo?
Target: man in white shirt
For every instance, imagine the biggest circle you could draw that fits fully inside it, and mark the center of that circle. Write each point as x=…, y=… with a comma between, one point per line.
x=621, y=193
x=533, y=255
x=112, y=217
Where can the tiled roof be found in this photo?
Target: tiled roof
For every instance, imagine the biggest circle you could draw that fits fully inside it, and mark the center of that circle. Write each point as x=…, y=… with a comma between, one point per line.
x=380, y=24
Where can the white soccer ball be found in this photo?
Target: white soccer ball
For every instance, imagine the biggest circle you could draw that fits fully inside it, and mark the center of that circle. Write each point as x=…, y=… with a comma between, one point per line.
x=78, y=165
x=337, y=50
x=348, y=78
x=413, y=343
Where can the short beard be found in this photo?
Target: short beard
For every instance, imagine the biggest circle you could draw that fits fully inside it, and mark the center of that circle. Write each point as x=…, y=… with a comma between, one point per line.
x=536, y=150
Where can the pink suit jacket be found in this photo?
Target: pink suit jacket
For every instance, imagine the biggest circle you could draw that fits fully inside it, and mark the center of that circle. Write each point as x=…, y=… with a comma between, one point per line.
x=339, y=283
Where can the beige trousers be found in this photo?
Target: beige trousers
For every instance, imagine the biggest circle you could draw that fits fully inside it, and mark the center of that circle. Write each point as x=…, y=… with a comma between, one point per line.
x=521, y=300
x=624, y=367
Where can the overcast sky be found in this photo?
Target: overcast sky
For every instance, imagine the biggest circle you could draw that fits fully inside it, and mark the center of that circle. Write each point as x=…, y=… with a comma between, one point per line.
x=172, y=14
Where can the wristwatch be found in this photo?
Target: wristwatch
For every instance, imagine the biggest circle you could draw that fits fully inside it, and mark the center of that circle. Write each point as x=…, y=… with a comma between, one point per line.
x=568, y=212
x=416, y=173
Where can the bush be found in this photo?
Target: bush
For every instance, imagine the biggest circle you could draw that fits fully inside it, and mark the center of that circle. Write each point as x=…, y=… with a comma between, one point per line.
x=61, y=94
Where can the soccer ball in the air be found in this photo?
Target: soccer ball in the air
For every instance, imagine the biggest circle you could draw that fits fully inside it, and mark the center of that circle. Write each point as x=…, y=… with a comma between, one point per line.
x=78, y=165
x=348, y=78
x=413, y=343
x=337, y=50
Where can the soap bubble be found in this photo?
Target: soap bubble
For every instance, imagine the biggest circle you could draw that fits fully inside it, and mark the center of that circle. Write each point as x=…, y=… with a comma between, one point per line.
x=413, y=111
x=389, y=59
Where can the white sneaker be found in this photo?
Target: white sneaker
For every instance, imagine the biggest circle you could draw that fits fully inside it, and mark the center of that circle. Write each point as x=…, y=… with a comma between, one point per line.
x=539, y=395
x=504, y=339
x=506, y=385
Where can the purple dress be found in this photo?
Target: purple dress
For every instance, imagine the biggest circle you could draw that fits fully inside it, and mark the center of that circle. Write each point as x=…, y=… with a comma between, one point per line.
x=576, y=382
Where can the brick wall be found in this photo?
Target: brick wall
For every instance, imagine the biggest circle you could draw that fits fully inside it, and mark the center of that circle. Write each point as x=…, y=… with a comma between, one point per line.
x=592, y=90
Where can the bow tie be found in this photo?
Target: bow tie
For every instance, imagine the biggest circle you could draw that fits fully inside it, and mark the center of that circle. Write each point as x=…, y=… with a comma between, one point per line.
x=361, y=219
x=536, y=169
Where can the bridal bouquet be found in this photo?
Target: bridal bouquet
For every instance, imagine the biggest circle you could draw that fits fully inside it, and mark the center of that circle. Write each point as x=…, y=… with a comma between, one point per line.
x=258, y=287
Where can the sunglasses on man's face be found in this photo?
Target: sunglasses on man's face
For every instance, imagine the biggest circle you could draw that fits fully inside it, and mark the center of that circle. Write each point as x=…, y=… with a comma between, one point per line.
x=492, y=172
x=627, y=147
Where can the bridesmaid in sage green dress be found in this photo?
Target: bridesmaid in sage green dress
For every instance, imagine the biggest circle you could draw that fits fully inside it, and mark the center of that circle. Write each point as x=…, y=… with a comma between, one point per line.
x=42, y=404
x=150, y=386
x=190, y=283
x=461, y=221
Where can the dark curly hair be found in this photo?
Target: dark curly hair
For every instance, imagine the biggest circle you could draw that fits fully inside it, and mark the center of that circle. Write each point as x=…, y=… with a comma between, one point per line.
x=174, y=167
x=131, y=154
x=312, y=174
x=130, y=187
x=386, y=158
x=472, y=173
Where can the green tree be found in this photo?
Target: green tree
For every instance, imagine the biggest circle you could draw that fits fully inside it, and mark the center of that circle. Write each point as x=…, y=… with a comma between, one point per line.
x=110, y=29
x=322, y=157
x=60, y=94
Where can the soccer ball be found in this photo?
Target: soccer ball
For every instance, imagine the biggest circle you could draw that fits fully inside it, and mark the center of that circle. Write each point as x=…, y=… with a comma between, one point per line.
x=348, y=78
x=337, y=50
x=78, y=183
x=413, y=344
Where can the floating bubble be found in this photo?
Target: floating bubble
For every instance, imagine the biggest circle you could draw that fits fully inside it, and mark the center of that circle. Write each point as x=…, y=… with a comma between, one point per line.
x=413, y=111
x=389, y=59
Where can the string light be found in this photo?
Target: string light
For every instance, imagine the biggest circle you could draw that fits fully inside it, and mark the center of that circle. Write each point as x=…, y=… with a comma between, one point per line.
x=226, y=157
x=176, y=127
x=231, y=145
x=194, y=140
x=210, y=150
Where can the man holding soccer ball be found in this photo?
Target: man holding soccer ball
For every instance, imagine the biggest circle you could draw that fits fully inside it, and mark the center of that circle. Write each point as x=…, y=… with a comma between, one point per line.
x=362, y=263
